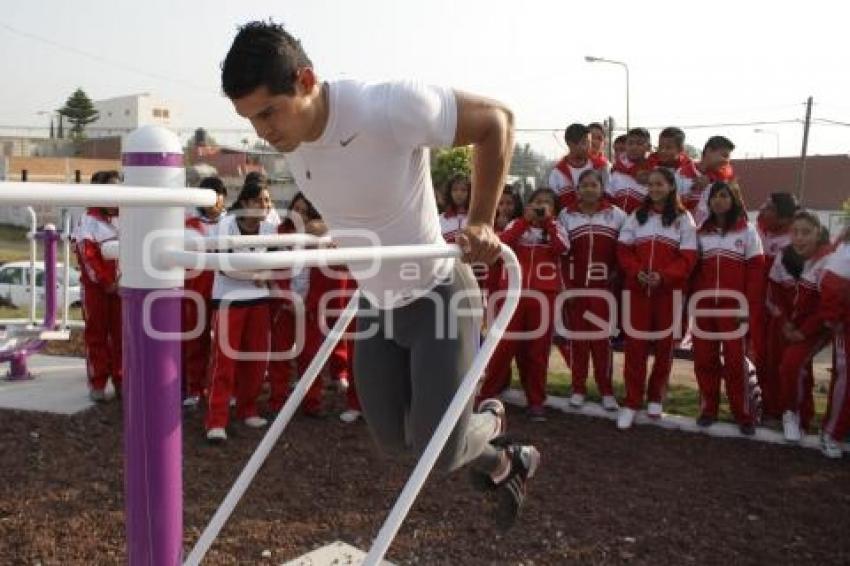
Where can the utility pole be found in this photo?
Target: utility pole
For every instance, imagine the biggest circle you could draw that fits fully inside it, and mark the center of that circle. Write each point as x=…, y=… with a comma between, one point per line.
x=801, y=173
x=609, y=141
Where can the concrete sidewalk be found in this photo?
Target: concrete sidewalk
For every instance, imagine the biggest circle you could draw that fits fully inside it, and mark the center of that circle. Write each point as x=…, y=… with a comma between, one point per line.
x=59, y=386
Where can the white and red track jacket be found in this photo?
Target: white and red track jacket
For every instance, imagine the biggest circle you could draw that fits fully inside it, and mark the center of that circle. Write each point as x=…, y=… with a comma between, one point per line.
x=564, y=177
x=732, y=261
x=696, y=199
x=624, y=189
x=539, y=251
x=592, y=261
x=797, y=300
x=670, y=250
x=835, y=288
x=200, y=282
x=451, y=224
x=773, y=240
x=682, y=160
x=95, y=228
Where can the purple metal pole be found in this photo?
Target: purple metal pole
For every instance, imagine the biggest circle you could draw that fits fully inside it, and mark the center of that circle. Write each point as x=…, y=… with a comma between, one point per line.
x=51, y=238
x=152, y=434
x=18, y=361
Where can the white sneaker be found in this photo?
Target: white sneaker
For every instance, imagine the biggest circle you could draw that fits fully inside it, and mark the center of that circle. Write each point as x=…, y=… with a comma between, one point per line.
x=256, y=422
x=350, y=416
x=576, y=400
x=791, y=427
x=342, y=384
x=829, y=447
x=97, y=395
x=609, y=403
x=626, y=418
x=216, y=435
x=654, y=410
x=191, y=402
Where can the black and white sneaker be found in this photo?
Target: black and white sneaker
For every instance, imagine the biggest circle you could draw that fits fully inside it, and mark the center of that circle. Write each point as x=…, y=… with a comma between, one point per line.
x=510, y=492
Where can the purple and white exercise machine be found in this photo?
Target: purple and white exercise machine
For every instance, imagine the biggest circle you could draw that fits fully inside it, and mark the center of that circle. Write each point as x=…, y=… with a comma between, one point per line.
x=153, y=257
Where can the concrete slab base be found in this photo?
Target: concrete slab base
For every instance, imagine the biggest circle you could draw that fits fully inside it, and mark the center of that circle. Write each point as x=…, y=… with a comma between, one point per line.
x=59, y=386
x=334, y=554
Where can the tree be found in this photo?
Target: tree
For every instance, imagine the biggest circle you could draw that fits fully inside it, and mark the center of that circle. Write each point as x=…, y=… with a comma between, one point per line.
x=527, y=163
x=80, y=111
x=447, y=162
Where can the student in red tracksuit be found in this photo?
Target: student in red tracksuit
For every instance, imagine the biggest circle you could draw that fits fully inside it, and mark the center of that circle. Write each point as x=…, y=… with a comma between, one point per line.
x=593, y=226
x=627, y=188
x=801, y=267
x=308, y=293
x=197, y=306
x=539, y=242
x=240, y=323
x=731, y=261
x=101, y=303
x=774, y=229
x=564, y=177
x=692, y=179
x=671, y=151
x=835, y=312
x=453, y=218
x=656, y=252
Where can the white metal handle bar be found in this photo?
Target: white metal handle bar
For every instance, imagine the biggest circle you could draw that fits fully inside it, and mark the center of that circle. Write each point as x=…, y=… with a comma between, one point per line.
x=435, y=446
x=15, y=192
x=252, y=261
x=111, y=249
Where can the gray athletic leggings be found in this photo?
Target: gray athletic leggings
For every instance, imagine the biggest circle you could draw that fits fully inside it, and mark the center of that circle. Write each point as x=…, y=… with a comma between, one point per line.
x=408, y=371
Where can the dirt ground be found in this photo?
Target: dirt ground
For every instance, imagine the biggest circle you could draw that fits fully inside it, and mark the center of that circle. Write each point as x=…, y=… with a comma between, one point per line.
x=602, y=496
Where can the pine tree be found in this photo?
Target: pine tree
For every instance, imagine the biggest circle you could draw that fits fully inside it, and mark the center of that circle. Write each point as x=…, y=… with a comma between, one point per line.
x=80, y=111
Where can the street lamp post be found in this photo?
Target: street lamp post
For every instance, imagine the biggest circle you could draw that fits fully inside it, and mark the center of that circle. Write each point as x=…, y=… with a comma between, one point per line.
x=773, y=133
x=591, y=59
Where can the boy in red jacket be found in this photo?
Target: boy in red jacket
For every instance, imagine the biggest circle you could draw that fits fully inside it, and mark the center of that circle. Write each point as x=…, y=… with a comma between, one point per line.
x=564, y=177
x=692, y=179
x=627, y=188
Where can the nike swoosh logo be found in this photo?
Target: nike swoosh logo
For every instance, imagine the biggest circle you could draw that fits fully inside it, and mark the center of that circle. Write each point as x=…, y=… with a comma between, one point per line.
x=344, y=143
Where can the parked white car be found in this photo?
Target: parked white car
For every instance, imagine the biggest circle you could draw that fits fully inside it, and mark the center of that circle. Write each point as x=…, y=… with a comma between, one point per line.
x=15, y=284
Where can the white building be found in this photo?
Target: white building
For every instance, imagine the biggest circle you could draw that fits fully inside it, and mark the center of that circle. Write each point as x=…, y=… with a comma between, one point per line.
x=123, y=114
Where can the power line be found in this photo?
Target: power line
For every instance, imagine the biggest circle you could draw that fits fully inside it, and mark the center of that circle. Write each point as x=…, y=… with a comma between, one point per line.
x=832, y=122
x=104, y=60
x=687, y=126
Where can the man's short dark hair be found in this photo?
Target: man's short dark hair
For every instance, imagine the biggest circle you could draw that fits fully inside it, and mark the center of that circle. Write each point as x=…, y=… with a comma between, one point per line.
x=620, y=139
x=575, y=133
x=262, y=54
x=675, y=134
x=596, y=126
x=718, y=142
x=214, y=183
x=640, y=133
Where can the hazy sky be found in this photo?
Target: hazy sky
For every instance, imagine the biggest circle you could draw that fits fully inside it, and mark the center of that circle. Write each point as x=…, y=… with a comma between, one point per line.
x=691, y=63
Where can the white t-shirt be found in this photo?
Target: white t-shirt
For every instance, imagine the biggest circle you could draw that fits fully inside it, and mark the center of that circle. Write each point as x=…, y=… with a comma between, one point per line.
x=231, y=288
x=369, y=176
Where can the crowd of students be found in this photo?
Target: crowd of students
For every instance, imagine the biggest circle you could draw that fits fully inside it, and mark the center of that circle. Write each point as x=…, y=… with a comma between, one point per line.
x=650, y=251
x=657, y=249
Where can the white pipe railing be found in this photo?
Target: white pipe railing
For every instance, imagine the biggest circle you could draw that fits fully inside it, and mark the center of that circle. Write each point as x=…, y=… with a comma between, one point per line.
x=102, y=195
x=112, y=249
x=278, y=260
